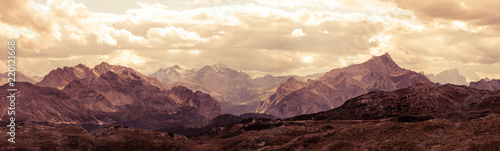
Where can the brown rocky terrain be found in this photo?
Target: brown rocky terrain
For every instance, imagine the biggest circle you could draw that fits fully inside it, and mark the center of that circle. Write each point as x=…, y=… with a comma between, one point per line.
x=483, y=84
x=339, y=85
x=421, y=117
x=114, y=137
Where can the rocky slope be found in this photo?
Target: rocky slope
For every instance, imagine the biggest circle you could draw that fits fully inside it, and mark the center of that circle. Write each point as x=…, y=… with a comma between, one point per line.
x=339, y=85
x=451, y=76
x=483, y=84
x=236, y=91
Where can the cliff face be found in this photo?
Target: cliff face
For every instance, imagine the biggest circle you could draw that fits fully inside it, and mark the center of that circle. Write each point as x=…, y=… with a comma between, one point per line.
x=339, y=85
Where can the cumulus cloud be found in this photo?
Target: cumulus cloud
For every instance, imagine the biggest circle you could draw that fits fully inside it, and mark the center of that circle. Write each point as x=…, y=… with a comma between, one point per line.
x=473, y=12
x=260, y=37
x=298, y=32
x=173, y=37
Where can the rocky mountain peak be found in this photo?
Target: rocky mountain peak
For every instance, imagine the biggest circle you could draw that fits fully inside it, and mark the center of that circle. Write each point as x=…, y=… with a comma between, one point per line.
x=62, y=76
x=383, y=63
x=82, y=66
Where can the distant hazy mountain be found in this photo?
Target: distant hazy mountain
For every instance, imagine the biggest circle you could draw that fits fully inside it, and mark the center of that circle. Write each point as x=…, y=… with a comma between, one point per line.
x=20, y=77
x=174, y=74
x=486, y=84
x=451, y=76
x=335, y=87
x=236, y=91
x=118, y=95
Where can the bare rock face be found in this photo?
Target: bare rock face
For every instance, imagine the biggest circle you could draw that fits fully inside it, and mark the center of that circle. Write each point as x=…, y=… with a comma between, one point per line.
x=283, y=90
x=119, y=95
x=451, y=76
x=339, y=85
x=236, y=91
x=60, y=77
x=483, y=84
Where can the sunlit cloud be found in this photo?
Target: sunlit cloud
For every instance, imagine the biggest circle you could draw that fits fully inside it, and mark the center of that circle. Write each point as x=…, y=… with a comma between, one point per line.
x=298, y=32
x=260, y=37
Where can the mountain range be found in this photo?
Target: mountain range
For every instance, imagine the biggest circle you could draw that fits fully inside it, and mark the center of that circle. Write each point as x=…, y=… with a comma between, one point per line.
x=236, y=91
x=108, y=94
x=338, y=85
x=421, y=117
x=375, y=105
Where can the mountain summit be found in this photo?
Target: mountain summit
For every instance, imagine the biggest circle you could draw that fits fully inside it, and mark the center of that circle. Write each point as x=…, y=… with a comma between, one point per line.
x=339, y=85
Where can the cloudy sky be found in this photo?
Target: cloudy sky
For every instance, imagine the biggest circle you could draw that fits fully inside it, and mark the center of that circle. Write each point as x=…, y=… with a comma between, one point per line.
x=259, y=37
